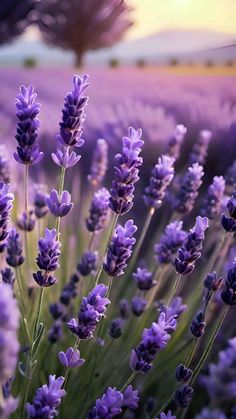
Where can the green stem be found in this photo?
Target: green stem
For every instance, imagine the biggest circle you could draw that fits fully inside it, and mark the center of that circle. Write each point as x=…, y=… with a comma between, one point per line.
x=127, y=383
x=22, y=305
x=174, y=289
x=38, y=313
x=26, y=187
x=191, y=355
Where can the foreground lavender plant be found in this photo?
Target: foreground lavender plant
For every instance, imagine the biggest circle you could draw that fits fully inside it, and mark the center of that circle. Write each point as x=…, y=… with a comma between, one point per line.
x=188, y=190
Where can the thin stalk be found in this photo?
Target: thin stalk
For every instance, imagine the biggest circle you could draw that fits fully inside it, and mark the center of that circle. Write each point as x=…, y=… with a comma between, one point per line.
x=174, y=289
x=61, y=186
x=127, y=383
x=26, y=188
x=92, y=236
x=192, y=353
x=38, y=313
x=23, y=311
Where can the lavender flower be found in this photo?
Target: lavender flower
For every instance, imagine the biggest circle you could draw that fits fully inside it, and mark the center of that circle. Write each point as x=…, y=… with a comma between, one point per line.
x=138, y=305
x=98, y=211
x=228, y=294
x=9, y=325
x=213, y=200
x=4, y=165
x=183, y=396
x=14, y=249
x=64, y=158
x=26, y=136
x=124, y=308
x=191, y=249
x=113, y=401
x=206, y=413
x=6, y=199
x=144, y=279
x=176, y=141
x=47, y=259
x=170, y=241
x=55, y=333
x=71, y=358
x=167, y=416
x=153, y=340
x=40, y=205
x=188, y=191
x=47, y=399
x=174, y=309
x=120, y=249
x=27, y=221
x=73, y=114
x=10, y=405
x=183, y=374
x=229, y=223
x=162, y=176
x=198, y=325
x=91, y=311
x=115, y=329
x=69, y=290
x=59, y=206
x=99, y=164
x=200, y=148
x=7, y=276
x=126, y=172
x=213, y=282
x=88, y=263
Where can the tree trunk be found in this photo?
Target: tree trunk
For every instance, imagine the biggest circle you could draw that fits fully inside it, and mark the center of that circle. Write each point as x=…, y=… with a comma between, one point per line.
x=79, y=59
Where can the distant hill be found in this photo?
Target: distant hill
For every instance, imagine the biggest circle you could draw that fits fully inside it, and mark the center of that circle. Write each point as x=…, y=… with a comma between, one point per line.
x=183, y=45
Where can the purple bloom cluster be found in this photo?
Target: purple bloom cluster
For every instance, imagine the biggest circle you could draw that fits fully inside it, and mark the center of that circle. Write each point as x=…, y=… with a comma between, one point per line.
x=40, y=204
x=176, y=141
x=228, y=294
x=9, y=324
x=6, y=198
x=206, y=413
x=27, y=221
x=115, y=329
x=162, y=176
x=198, y=325
x=126, y=172
x=167, y=415
x=144, y=279
x=64, y=158
x=4, y=165
x=153, y=340
x=174, y=309
x=26, y=136
x=170, y=241
x=213, y=201
x=183, y=395
x=229, y=222
x=192, y=246
x=120, y=249
x=138, y=305
x=212, y=282
x=91, y=311
x=71, y=358
x=98, y=211
x=47, y=399
x=59, y=206
x=99, y=164
x=87, y=263
x=7, y=276
x=200, y=148
x=183, y=374
x=113, y=402
x=14, y=249
x=188, y=191
x=47, y=259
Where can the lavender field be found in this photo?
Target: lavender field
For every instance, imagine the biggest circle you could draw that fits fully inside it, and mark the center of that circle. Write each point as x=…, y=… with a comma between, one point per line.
x=117, y=241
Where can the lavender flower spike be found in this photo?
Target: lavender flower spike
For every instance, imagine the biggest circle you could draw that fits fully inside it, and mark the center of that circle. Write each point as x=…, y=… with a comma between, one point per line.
x=192, y=246
x=98, y=211
x=27, y=126
x=71, y=358
x=6, y=199
x=91, y=311
x=73, y=114
x=99, y=163
x=144, y=279
x=172, y=238
x=188, y=192
x=14, y=249
x=47, y=260
x=167, y=415
x=40, y=206
x=200, y=148
x=47, y=399
x=176, y=141
x=213, y=200
x=4, y=164
x=229, y=222
x=162, y=176
x=9, y=325
x=228, y=294
x=59, y=206
x=120, y=249
x=63, y=157
x=126, y=172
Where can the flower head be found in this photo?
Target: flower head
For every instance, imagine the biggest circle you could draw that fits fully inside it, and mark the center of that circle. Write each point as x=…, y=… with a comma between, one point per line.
x=213, y=200
x=64, y=158
x=228, y=294
x=170, y=241
x=188, y=191
x=176, y=141
x=6, y=198
x=59, y=206
x=27, y=221
x=144, y=279
x=98, y=211
x=200, y=148
x=71, y=358
x=40, y=205
x=99, y=164
x=87, y=263
x=14, y=249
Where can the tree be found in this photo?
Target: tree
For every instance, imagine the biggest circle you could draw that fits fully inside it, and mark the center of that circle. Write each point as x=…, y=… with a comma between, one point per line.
x=83, y=25
x=15, y=16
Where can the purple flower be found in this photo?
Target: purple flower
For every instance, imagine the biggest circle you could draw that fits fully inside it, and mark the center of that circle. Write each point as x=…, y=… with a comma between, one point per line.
x=174, y=309
x=91, y=311
x=87, y=263
x=124, y=308
x=99, y=164
x=47, y=399
x=153, y=340
x=40, y=205
x=27, y=221
x=138, y=305
x=206, y=413
x=183, y=395
x=112, y=402
x=176, y=141
x=198, y=325
x=144, y=279
x=170, y=241
x=10, y=405
x=9, y=324
x=98, y=211
x=69, y=290
x=167, y=416
x=162, y=176
x=213, y=282
x=200, y=148
x=115, y=329
x=26, y=136
x=64, y=158
x=183, y=374
x=73, y=114
x=4, y=165
x=126, y=172
x=120, y=249
x=213, y=200
x=71, y=358
x=192, y=246
x=47, y=259
x=7, y=276
x=55, y=333
x=229, y=223
x=188, y=191
x=59, y=206
x=6, y=199
x=228, y=294
x=14, y=249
